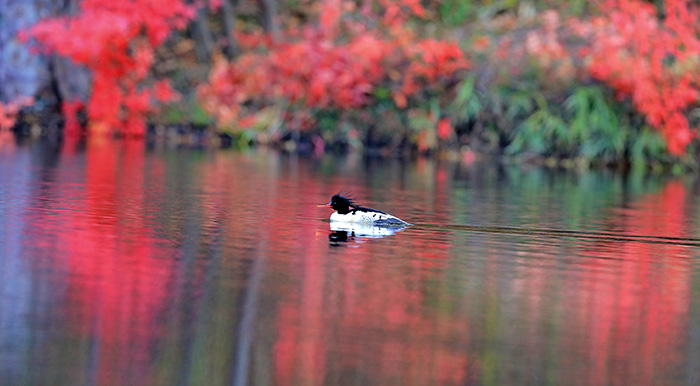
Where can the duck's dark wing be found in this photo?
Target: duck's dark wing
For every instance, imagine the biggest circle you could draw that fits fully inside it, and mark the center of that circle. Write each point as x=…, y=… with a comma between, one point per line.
x=382, y=218
x=391, y=222
x=357, y=208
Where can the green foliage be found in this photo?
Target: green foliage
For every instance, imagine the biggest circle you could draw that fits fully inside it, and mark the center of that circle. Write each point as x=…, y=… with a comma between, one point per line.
x=586, y=123
x=173, y=114
x=455, y=12
x=327, y=120
x=382, y=94
x=176, y=113
x=595, y=124
x=459, y=12
x=466, y=106
x=200, y=117
x=590, y=124
x=647, y=146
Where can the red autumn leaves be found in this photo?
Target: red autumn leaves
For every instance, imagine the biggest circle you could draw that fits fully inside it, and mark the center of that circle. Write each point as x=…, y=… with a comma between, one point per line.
x=357, y=54
x=652, y=62
x=116, y=41
x=318, y=68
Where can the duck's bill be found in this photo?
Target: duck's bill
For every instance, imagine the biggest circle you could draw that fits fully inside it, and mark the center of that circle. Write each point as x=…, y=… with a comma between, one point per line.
x=324, y=206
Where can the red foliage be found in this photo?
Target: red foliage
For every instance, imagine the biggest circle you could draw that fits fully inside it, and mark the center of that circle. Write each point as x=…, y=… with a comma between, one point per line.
x=320, y=68
x=116, y=41
x=7, y=117
x=445, y=129
x=651, y=61
x=70, y=112
x=544, y=44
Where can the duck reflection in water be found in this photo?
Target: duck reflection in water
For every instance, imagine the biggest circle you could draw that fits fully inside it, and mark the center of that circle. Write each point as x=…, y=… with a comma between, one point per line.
x=345, y=232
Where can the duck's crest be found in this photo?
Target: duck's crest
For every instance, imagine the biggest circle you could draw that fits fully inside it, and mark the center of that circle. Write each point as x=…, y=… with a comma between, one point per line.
x=348, y=198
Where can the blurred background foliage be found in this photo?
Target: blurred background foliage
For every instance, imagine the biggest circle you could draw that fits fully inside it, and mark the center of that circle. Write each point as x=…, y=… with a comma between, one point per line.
x=568, y=83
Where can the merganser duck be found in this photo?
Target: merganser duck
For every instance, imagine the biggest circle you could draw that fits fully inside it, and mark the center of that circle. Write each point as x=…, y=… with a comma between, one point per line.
x=347, y=211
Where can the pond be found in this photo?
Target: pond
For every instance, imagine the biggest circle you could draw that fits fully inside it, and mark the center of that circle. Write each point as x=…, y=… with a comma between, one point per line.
x=122, y=264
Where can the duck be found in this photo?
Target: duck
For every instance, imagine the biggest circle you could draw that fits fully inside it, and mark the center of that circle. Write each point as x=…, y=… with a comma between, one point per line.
x=349, y=212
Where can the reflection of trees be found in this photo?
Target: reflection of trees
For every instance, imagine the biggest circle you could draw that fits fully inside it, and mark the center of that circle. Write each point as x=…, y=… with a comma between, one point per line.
x=641, y=307
x=598, y=312
x=26, y=75
x=153, y=276
x=117, y=284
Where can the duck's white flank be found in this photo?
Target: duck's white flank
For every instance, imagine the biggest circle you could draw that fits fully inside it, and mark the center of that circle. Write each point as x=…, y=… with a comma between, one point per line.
x=364, y=217
x=365, y=231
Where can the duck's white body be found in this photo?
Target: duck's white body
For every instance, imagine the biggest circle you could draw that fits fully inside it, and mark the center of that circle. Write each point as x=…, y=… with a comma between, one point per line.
x=367, y=217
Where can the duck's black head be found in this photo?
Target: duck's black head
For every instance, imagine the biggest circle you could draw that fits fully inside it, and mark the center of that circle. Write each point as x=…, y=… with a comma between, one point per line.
x=339, y=203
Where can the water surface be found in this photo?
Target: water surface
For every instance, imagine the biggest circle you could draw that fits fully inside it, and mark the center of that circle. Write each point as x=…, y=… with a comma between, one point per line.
x=121, y=265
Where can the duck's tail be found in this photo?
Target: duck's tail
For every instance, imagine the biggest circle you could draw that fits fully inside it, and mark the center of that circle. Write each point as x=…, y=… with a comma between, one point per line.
x=392, y=222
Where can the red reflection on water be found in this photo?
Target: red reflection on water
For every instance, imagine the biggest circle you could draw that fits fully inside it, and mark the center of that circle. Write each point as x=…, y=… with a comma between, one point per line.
x=421, y=307
x=116, y=285
x=622, y=320
x=636, y=318
x=359, y=292
x=7, y=141
x=366, y=296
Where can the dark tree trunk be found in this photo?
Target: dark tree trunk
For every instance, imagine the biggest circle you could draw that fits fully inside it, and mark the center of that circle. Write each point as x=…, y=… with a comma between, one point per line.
x=72, y=81
x=229, y=15
x=269, y=18
x=68, y=81
x=203, y=38
x=21, y=73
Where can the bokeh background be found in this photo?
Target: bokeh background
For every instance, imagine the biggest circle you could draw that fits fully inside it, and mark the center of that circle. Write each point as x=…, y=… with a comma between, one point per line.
x=569, y=83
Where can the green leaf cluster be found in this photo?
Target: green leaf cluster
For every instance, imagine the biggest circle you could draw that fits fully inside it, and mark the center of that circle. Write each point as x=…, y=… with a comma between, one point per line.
x=584, y=122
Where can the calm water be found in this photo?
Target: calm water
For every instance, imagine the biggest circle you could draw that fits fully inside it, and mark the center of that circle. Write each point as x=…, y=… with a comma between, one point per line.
x=125, y=266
